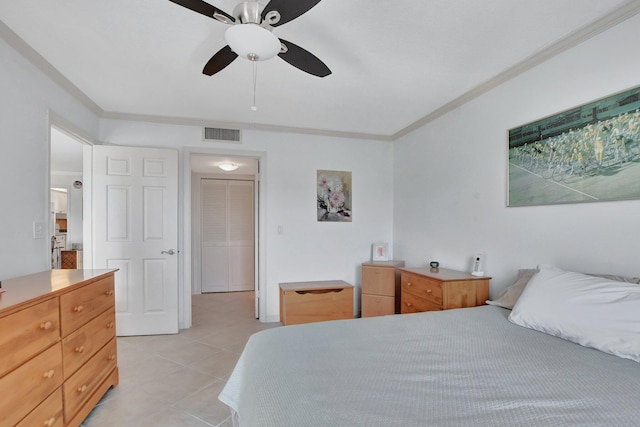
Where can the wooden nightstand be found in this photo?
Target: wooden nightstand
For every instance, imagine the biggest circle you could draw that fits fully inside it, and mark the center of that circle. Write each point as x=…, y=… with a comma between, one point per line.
x=380, y=288
x=430, y=289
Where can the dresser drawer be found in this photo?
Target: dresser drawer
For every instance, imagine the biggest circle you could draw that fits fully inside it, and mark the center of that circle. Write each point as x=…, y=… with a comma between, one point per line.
x=47, y=414
x=36, y=379
x=377, y=305
x=81, y=305
x=82, y=385
x=379, y=280
x=78, y=347
x=423, y=287
x=27, y=332
x=411, y=303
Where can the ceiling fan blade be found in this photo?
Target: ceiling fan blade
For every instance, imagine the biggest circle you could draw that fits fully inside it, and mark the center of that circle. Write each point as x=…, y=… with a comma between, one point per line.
x=219, y=61
x=288, y=9
x=202, y=7
x=304, y=60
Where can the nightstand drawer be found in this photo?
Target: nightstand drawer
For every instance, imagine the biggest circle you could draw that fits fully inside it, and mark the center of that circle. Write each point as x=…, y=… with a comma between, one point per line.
x=377, y=305
x=411, y=303
x=379, y=281
x=423, y=287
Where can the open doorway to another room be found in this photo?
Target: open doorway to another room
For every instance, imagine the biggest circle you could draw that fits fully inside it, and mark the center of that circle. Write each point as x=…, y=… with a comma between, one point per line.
x=224, y=237
x=66, y=200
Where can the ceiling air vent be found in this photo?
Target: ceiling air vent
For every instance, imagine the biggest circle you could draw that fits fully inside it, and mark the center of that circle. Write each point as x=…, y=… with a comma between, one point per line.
x=222, y=135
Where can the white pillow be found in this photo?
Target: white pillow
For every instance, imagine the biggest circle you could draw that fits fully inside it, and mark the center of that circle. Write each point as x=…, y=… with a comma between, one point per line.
x=591, y=311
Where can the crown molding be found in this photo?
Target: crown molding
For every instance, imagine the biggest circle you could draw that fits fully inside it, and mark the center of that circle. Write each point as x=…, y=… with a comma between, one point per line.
x=628, y=10
x=243, y=126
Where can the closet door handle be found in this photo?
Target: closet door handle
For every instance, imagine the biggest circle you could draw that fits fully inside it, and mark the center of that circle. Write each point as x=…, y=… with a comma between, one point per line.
x=169, y=252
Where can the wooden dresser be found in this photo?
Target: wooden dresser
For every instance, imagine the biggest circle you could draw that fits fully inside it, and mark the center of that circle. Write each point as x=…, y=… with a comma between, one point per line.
x=57, y=346
x=307, y=302
x=380, y=288
x=430, y=289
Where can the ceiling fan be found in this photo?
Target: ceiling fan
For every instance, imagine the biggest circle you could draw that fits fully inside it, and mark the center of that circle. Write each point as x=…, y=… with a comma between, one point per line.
x=250, y=34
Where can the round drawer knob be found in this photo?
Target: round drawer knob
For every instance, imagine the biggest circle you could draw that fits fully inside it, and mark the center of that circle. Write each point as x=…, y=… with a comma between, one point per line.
x=110, y=325
x=78, y=309
x=428, y=291
x=409, y=304
x=109, y=293
x=49, y=422
x=409, y=283
x=46, y=325
x=111, y=357
x=49, y=374
x=79, y=349
x=82, y=389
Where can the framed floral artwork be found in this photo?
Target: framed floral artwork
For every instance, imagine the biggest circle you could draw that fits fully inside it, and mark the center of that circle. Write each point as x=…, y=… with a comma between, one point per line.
x=334, y=196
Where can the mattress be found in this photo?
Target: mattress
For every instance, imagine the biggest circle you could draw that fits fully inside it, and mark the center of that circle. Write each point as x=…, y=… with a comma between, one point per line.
x=465, y=367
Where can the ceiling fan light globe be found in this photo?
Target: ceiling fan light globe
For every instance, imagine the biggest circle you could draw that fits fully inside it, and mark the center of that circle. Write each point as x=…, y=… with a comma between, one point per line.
x=253, y=42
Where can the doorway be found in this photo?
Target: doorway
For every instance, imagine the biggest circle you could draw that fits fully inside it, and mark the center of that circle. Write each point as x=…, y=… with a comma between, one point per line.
x=225, y=228
x=66, y=201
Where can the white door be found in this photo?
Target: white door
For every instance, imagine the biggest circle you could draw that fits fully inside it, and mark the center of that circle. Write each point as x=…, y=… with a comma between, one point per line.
x=135, y=229
x=227, y=239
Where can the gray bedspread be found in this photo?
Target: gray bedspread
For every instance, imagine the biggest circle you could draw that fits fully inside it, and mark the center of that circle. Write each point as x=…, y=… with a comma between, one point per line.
x=467, y=367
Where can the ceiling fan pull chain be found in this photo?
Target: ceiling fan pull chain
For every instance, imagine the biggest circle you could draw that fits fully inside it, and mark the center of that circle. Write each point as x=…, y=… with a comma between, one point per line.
x=255, y=78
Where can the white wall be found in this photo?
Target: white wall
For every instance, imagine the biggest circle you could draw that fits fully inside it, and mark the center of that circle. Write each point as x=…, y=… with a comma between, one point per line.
x=307, y=249
x=27, y=97
x=450, y=175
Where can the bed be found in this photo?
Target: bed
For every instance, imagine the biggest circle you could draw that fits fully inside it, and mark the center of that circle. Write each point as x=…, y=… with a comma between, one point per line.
x=464, y=367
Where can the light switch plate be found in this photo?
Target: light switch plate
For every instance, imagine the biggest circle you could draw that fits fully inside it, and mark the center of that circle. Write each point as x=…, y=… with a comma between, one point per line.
x=38, y=230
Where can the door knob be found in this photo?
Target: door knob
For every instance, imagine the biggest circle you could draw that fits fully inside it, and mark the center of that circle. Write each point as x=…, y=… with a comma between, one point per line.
x=169, y=252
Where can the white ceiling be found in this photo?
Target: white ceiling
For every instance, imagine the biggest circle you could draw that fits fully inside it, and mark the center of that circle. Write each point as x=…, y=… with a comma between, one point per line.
x=394, y=64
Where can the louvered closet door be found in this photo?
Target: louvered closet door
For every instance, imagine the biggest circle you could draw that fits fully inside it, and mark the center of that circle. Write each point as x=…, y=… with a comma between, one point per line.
x=241, y=247
x=227, y=224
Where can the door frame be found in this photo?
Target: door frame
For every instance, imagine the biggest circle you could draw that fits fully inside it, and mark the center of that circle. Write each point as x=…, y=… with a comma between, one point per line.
x=260, y=230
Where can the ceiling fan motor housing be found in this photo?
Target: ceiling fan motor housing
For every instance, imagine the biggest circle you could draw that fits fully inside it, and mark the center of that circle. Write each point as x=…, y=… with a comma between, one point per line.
x=249, y=12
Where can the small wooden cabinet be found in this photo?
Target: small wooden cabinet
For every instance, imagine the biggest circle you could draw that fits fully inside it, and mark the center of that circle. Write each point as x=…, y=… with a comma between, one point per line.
x=306, y=302
x=430, y=289
x=57, y=346
x=70, y=259
x=380, y=288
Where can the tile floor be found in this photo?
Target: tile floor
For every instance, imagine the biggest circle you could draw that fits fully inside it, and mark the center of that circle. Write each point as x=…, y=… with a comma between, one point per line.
x=174, y=380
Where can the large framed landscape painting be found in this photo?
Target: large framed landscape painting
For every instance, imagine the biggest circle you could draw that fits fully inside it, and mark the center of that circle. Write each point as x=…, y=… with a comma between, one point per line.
x=334, y=196
x=589, y=153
